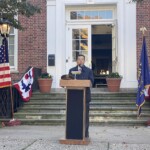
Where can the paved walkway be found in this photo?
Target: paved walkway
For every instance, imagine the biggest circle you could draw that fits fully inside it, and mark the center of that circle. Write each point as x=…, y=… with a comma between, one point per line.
x=46, y=138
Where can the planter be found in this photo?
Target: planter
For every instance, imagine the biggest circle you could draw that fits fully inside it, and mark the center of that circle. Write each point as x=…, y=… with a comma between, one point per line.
x=113, y=84
x=45, y=85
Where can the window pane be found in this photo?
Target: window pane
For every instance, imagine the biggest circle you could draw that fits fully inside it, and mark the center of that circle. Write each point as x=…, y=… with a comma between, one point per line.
x=11, y=30
x=11, y=49
x=94, y=15
x=73, y=15
x=11, y=39
x=102, y=15
x=84, y=33
x=75, y=54
x=11, y=60
x=75, y=34
x=75, y=45
x=81, y=15
x=109, y=14
x=85, y=53
x=84, y=45
x=88, y=15
x=1, y=40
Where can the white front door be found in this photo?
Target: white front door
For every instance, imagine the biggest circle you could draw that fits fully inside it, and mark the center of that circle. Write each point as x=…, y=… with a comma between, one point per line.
x=78, y=41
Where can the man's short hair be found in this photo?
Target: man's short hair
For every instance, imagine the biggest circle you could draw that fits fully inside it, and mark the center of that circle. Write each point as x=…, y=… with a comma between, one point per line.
x=81, y=55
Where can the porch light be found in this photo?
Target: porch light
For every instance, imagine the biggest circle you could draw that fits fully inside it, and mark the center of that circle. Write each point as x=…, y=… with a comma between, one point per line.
x=4, y=27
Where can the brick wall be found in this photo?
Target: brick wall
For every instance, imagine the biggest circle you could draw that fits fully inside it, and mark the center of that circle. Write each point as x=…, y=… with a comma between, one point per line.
x=32, y=49
x=143, y=19
x=32, y=43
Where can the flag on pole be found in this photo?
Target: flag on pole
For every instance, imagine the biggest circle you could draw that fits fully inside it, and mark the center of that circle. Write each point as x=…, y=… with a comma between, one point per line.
x=5, y=78
x=143, y=78
x=24, y=86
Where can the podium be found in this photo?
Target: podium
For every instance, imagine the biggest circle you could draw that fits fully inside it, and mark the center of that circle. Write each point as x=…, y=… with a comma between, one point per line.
x=75, y=111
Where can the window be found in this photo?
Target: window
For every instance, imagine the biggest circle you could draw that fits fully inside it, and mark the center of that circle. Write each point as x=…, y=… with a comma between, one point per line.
x=83, y=15
x=11, y=47
x=79, y=42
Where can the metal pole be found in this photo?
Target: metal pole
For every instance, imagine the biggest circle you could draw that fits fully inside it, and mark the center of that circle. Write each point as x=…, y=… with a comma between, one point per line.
x=11, y=93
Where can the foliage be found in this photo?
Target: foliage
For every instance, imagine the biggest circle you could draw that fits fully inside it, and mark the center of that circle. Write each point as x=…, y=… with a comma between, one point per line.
x=46, y=76
x=114, y=75
x=137, y=0
x=9, y=9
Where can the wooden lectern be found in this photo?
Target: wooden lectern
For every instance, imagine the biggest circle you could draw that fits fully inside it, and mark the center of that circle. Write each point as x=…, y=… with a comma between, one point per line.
x=75, y=111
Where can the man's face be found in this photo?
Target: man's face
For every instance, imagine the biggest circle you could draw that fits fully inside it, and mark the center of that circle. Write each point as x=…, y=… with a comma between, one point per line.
x=80, y=60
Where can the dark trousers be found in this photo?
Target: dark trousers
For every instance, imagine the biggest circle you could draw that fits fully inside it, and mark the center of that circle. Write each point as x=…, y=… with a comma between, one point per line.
x=87, y=120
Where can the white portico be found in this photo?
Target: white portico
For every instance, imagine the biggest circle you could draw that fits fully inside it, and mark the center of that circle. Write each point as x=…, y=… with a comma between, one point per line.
x=74, y=27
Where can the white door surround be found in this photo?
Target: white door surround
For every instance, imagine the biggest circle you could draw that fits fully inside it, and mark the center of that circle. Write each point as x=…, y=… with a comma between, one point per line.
x=124, y=21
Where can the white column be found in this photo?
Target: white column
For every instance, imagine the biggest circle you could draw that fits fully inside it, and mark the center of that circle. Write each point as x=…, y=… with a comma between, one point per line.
x=51, y=36
x=130, y=45
x=121, y=32
x=60, y=40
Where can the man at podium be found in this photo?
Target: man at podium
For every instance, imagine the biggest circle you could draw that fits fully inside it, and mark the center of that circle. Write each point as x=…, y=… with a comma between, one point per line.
x=86, y=74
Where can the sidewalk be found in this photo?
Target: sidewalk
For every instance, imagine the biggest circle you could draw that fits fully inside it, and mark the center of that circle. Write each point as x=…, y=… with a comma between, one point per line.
x=46, y=138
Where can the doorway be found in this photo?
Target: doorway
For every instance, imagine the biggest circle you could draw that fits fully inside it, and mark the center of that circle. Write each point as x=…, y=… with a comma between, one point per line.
x=98, y=44
x=102, y=56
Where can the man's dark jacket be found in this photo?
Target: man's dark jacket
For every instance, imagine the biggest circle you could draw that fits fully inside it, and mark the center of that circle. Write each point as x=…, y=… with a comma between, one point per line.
x=86, y=74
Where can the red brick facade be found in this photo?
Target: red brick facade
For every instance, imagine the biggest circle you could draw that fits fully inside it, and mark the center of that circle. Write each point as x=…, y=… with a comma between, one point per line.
x=32, y=42
x=143, y=19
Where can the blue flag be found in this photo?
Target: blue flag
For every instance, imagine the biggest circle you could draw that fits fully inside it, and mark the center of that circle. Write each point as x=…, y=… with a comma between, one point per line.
x=143, y=77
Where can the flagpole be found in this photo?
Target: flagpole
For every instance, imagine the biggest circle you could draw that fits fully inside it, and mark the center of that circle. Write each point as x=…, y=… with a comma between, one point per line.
x=12, y=102
x=13, y=121
x=143, y=30
x=4, y=31
x=140, y=100
x=11, y=93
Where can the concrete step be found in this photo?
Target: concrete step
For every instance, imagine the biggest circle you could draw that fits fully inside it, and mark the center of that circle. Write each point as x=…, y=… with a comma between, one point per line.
x=105, y=109
x=100, y=107
x=93, y=109
x=57, y=103
x=92, y=95
x=93, y=98
x=99, y=115
x=92, y=101
x=110, y=106
x=106, y=94
x=108, y=122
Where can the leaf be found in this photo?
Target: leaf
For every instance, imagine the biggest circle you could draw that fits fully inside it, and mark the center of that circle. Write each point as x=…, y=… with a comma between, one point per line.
x=9, y=9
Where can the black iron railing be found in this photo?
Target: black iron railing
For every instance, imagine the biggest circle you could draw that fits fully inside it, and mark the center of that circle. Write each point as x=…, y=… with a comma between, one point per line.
x=5, y=102
x=5, y=97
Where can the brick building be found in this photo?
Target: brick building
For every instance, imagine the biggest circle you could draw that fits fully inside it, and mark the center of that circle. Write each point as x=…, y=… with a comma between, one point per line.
x=105, y=31
x=143, y=19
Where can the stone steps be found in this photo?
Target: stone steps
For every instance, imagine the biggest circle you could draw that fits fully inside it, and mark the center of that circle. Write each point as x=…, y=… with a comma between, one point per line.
x=108, y=122
x=92, y=94
x=93, y=98
x=105, y=109
x=63, y=103
x=92, y=115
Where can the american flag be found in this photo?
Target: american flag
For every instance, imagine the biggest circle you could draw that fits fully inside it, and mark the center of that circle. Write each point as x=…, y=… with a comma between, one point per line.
x=5, y=78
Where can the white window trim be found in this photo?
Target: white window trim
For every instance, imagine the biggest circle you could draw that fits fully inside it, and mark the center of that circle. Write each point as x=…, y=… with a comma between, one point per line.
x=69, y=9
x=14, y=69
